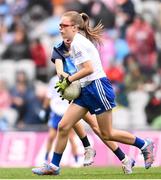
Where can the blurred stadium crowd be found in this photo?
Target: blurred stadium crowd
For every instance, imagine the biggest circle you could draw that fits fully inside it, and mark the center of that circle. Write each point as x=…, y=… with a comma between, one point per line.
x=131, y=57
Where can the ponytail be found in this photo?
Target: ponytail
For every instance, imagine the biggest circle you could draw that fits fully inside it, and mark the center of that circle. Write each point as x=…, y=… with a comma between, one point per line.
x=92, y=33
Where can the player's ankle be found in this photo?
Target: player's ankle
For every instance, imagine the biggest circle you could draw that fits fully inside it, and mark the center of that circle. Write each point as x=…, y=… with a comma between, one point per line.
x=54, y=166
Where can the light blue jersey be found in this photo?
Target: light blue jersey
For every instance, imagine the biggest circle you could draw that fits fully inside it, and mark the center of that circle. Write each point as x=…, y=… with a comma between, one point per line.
x=59, y=52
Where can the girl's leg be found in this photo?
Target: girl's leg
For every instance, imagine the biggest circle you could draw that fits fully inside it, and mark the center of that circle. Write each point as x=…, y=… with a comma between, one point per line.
x=73, y=114
x=108, y=133
x=51, y=137
x=146, y=146
x=74, y=145
x=92, y=121
x=80, y=131
x=89, y=151
x=127, y=163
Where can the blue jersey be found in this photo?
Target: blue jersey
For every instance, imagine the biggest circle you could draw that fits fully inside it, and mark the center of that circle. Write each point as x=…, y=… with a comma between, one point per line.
x=59, y=52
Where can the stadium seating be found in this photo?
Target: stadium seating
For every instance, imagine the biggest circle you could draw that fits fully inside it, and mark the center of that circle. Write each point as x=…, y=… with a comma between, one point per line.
x=28, y=66
x=7, y=71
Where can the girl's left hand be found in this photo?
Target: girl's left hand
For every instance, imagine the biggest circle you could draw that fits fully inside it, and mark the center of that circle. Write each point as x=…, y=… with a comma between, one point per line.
x=62, y=85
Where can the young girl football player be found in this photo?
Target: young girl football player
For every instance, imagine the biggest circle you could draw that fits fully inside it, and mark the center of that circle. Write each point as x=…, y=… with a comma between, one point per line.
x=97, y=95
x=65, y=67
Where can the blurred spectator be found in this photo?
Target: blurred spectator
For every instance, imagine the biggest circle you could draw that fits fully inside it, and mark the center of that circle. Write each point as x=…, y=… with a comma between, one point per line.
x=19, y=48
x=122, y=49
x=134, y=83
x=19, y=6
x=39, y=56
x=121, y=94
x=138, y=100
x=7, y=114
x=34, y=17
x=45, y=4
x=125, y=14
x=4, y=7
x=4, y=12
x=115, y=73
x=25, y=101
x=50, y=25
x=153, y=109
x=133, y=75
x=16, y=22
x=141, y=41
x=98, y=10
x=37, y=11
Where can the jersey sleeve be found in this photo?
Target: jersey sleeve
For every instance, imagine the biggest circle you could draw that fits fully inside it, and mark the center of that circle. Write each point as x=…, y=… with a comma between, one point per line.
x=55, y=55
x=80, y=53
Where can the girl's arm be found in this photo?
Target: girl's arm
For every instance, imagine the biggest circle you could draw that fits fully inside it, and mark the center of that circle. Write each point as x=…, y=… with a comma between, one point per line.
x=59, y=68
x=86, y=69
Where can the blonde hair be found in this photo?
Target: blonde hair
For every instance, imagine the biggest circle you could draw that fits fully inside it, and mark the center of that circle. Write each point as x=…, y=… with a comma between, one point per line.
x=94, y=34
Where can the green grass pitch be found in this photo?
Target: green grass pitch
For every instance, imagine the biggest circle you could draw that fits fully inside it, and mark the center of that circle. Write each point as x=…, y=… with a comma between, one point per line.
x=83, y=173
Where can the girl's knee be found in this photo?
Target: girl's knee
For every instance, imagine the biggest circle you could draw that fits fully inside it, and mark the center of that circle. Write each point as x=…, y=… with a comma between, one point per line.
x=106, y=136
x=50, y=140
x=62, y=128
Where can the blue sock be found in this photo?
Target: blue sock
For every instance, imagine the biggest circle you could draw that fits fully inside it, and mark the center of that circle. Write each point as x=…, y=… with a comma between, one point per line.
x=76, y=158
x=56, y=159
x=118, y=152
x=46, y=156
x=139, y=143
